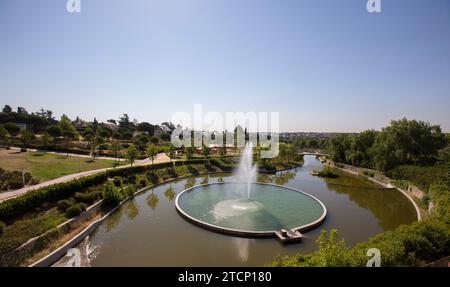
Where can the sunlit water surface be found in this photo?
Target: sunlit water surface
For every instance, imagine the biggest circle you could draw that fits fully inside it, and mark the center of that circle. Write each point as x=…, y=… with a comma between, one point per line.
x=148, y=231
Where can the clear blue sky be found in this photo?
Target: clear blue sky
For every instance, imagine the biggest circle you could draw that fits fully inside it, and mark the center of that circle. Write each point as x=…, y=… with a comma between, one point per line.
x=325, y=65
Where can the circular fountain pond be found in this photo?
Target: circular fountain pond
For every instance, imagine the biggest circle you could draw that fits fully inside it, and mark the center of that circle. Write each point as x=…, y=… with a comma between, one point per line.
x=250, y=209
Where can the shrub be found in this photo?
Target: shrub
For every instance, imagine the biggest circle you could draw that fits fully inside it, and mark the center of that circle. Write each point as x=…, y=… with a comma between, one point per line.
x=192, y=170
x=19, y=205
x=130, y=179
x=421, y=176
x=267, y=166
x=327, y=173
x=171, y=172
x=403, y=184
x=65, y=204
x=2, y=226
x=74, y=210
x=87, y=197
x=111, y=195
x=368, y=173
x=143, y=182
x=83, y=206
x=117, y=181
x=152, y=177
x=129, y=190
x=425, y=200
x=14, y=179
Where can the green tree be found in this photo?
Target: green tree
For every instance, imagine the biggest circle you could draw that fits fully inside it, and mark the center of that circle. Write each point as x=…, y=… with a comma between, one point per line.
x=55, y=132
x=12, y=129
x=132, y=154
x=126, y=135
x=104, y=134
x=4, y=135
x=88, y=133
x=151, y=152
x=7, y=109
x=45, y=139
x=26, y=137
x=141, y=141
x=68, y=131
x=116, y=147
x=361, y=149
x=112, y=195
x=338, y=147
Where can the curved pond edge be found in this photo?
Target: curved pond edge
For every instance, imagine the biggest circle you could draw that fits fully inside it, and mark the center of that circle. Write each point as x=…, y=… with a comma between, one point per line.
x=249, y=233
x=61, y=251
x=416, y=207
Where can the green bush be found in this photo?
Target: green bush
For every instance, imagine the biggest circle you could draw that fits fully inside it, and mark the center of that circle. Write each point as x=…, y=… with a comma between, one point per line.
x=152, y=177
x=117, y=181
x=222, y=164
x=130, y=179
x=408, y=245
x=74, y=210
x=86, y=197
x=368, y=173
x=421, y=176
x=171, y=172
x=65, y=204
x=327, y=173
x=17, y=206
x=403, y=184
x=143, y=182
x=83, y=206
x=129, y=190
x=267, y=166
x=10, y=180
x=112, y=195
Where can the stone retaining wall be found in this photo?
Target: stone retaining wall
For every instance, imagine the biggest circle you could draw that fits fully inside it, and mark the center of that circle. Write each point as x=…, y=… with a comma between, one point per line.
x=15, y=257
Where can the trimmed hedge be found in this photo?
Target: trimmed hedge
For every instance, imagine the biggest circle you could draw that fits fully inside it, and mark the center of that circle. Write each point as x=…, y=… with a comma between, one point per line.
x=221, y=164
x=19, y=205
x=74, y=210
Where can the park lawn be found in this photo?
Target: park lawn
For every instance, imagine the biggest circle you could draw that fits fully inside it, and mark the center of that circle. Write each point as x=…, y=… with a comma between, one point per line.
x=47, y=166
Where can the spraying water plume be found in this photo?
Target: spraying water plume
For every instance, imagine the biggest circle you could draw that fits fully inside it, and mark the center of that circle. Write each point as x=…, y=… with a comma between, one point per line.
x=246, y=170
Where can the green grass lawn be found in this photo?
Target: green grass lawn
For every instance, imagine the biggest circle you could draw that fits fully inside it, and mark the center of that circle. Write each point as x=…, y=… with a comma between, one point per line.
x=46, y=166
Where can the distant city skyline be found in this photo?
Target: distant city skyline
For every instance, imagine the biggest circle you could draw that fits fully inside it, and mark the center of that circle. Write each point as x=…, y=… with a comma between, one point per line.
x=325, y=66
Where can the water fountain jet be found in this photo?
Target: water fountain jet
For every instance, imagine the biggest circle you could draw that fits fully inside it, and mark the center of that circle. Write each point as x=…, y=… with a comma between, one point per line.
x=247, y=171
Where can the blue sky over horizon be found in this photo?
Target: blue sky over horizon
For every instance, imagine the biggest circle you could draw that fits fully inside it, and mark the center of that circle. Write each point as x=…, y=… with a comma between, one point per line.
x=324, y=65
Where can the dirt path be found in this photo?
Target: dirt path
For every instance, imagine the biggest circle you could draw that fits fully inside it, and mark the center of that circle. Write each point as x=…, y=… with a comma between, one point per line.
x=160, y=158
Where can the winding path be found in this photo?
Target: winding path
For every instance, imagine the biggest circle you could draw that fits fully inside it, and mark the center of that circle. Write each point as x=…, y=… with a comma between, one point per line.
x=160, y=158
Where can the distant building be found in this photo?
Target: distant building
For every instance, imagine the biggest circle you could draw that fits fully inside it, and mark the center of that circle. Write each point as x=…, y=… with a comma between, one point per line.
x=79, y=124
x=110, y=126
x=158, y=131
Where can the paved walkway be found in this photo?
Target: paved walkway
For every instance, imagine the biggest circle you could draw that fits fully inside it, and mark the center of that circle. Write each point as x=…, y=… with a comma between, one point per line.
x=160, y=158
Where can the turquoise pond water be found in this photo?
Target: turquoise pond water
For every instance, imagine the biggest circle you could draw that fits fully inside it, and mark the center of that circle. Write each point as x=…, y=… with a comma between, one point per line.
x=268, y=207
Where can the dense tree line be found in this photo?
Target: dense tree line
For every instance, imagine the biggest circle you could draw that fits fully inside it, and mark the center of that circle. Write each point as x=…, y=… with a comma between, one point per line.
x=403, y=142
x=410, y=150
